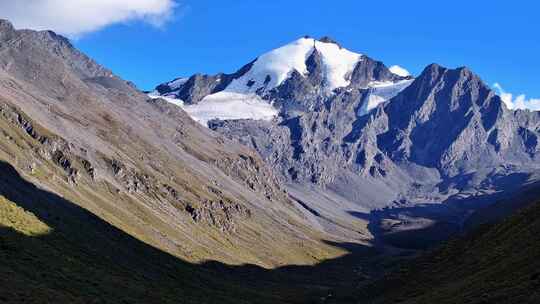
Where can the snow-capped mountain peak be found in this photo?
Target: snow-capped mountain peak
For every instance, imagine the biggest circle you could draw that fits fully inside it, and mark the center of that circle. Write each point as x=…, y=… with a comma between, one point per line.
x=303, y=68
x=273, y=68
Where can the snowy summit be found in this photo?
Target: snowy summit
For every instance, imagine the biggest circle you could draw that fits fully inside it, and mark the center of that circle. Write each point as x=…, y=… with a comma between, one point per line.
x=274, y=67
x=244, y=95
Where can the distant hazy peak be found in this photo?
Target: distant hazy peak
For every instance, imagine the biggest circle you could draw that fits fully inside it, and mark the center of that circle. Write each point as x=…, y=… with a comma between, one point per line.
x=6, y=29
x=5, y=24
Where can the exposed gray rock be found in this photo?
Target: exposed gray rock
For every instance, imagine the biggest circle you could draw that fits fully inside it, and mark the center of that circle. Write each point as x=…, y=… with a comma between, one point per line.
x=143, y=165
x=327, y=39
x=199, y=86
x=446, y=135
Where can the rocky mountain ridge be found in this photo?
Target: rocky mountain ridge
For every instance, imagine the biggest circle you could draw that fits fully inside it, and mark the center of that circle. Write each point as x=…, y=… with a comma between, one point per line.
x=384, y=140
x=74, y=128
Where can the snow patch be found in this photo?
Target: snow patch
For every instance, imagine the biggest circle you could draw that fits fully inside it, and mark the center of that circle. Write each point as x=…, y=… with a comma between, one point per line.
x=339, y=64
x=396, y=69
x=226, y=106
x=272, y=68
x=380, y=92
x=231, y=106
x=175, y=101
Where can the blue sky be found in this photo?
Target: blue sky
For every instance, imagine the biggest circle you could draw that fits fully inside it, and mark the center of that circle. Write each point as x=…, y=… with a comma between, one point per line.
x=497, y=39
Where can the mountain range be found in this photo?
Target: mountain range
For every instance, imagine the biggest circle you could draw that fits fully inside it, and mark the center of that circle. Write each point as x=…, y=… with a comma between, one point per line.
x=313, y=174
x=139, y=163
x=406, y=153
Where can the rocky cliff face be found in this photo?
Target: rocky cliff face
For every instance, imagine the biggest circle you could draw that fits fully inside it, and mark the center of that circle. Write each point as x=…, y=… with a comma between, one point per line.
x=73, y=127
x=451, y=121
x=384, y=140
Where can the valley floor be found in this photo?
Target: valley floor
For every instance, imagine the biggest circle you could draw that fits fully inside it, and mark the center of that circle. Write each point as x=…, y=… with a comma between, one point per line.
x=56, y=252
x=53, y=251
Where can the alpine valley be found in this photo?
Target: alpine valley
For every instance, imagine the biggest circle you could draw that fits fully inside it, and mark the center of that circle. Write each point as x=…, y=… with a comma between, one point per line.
x=370, y=152
x=313, y=174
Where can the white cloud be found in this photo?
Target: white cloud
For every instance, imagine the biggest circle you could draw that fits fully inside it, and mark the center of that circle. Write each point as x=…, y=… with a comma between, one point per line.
x=519, y=102
x=76, y=17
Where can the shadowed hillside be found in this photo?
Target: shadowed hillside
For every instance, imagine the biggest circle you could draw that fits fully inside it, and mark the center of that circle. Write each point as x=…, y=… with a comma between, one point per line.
x=56, y=252
x=496, y=263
